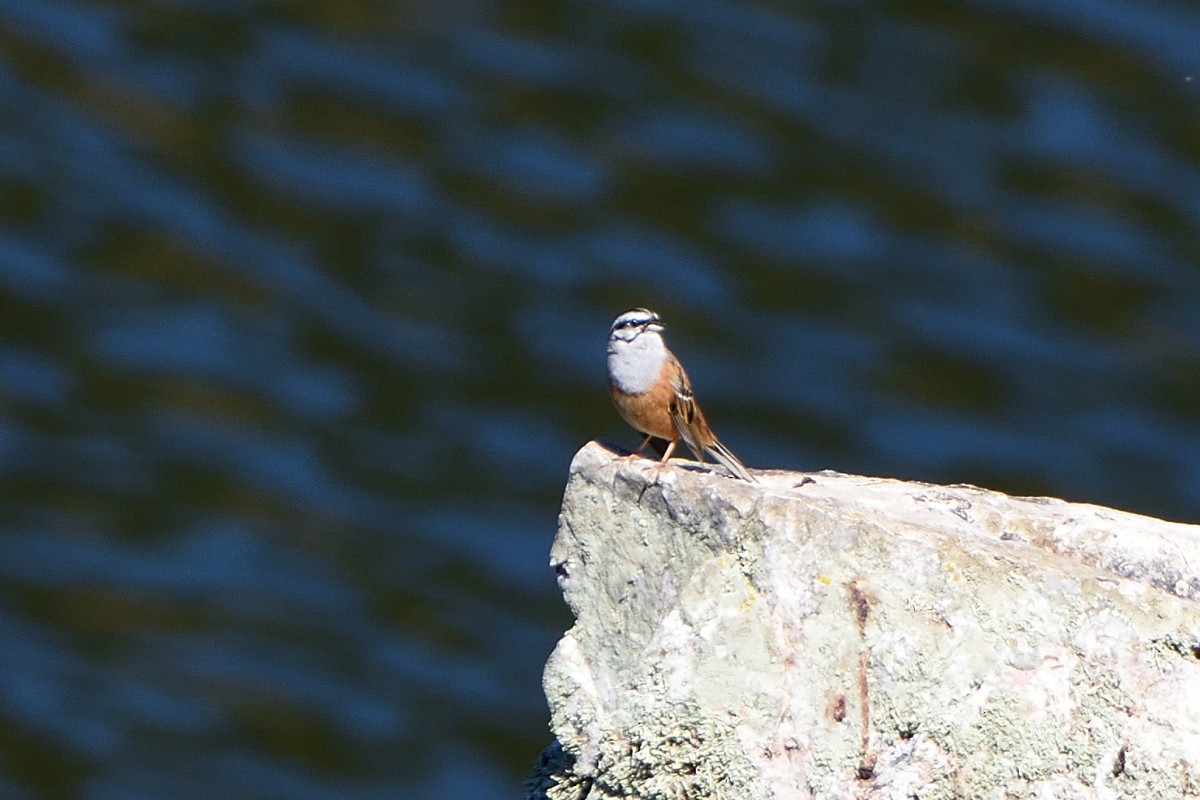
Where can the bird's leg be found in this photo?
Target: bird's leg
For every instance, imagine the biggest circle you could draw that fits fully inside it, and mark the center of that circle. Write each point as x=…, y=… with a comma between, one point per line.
x=637, y=453
x=661, y=465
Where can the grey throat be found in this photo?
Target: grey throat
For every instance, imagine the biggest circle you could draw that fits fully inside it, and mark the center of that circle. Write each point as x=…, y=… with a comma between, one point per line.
x=634, y=365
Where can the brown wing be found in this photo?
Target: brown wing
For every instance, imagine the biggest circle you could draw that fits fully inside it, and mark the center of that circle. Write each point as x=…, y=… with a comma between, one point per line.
x=687, y=416
x=693, y=427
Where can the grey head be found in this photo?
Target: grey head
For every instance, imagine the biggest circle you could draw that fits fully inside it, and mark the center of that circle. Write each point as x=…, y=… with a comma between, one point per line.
x=636, y=351
x=634, y=323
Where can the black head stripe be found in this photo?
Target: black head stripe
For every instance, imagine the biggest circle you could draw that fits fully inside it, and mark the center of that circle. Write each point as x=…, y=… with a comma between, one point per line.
x=638, y=318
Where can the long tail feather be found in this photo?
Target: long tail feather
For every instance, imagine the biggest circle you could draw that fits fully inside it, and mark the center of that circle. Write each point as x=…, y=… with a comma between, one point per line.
x=721, y=453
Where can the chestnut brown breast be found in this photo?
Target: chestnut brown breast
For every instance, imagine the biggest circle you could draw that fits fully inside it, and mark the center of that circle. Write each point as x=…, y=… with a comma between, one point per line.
x=649, y=412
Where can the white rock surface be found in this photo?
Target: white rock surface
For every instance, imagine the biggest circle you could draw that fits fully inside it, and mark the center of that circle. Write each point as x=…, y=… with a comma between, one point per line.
x=858, y=637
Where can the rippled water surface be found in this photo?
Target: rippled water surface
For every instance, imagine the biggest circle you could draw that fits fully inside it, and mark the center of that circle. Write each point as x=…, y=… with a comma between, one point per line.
x=302, y=311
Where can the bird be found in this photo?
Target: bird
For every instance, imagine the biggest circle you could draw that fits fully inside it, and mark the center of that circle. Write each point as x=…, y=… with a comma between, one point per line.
x=653, y=393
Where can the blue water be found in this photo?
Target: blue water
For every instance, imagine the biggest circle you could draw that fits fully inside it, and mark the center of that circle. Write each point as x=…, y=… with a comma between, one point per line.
x=303, y=306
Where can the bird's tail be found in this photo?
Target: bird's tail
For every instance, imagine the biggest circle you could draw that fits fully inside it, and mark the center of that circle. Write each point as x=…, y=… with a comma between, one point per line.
x=721, y=453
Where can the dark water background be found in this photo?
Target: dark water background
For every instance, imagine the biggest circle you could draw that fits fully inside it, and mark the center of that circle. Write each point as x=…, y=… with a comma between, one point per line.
x=303, y=306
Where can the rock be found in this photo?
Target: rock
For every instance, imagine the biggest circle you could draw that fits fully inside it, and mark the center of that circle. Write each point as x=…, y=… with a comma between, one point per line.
x=857, y=637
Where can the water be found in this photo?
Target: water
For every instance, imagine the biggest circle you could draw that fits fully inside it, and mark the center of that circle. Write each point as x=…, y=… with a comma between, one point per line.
x=302, y=309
